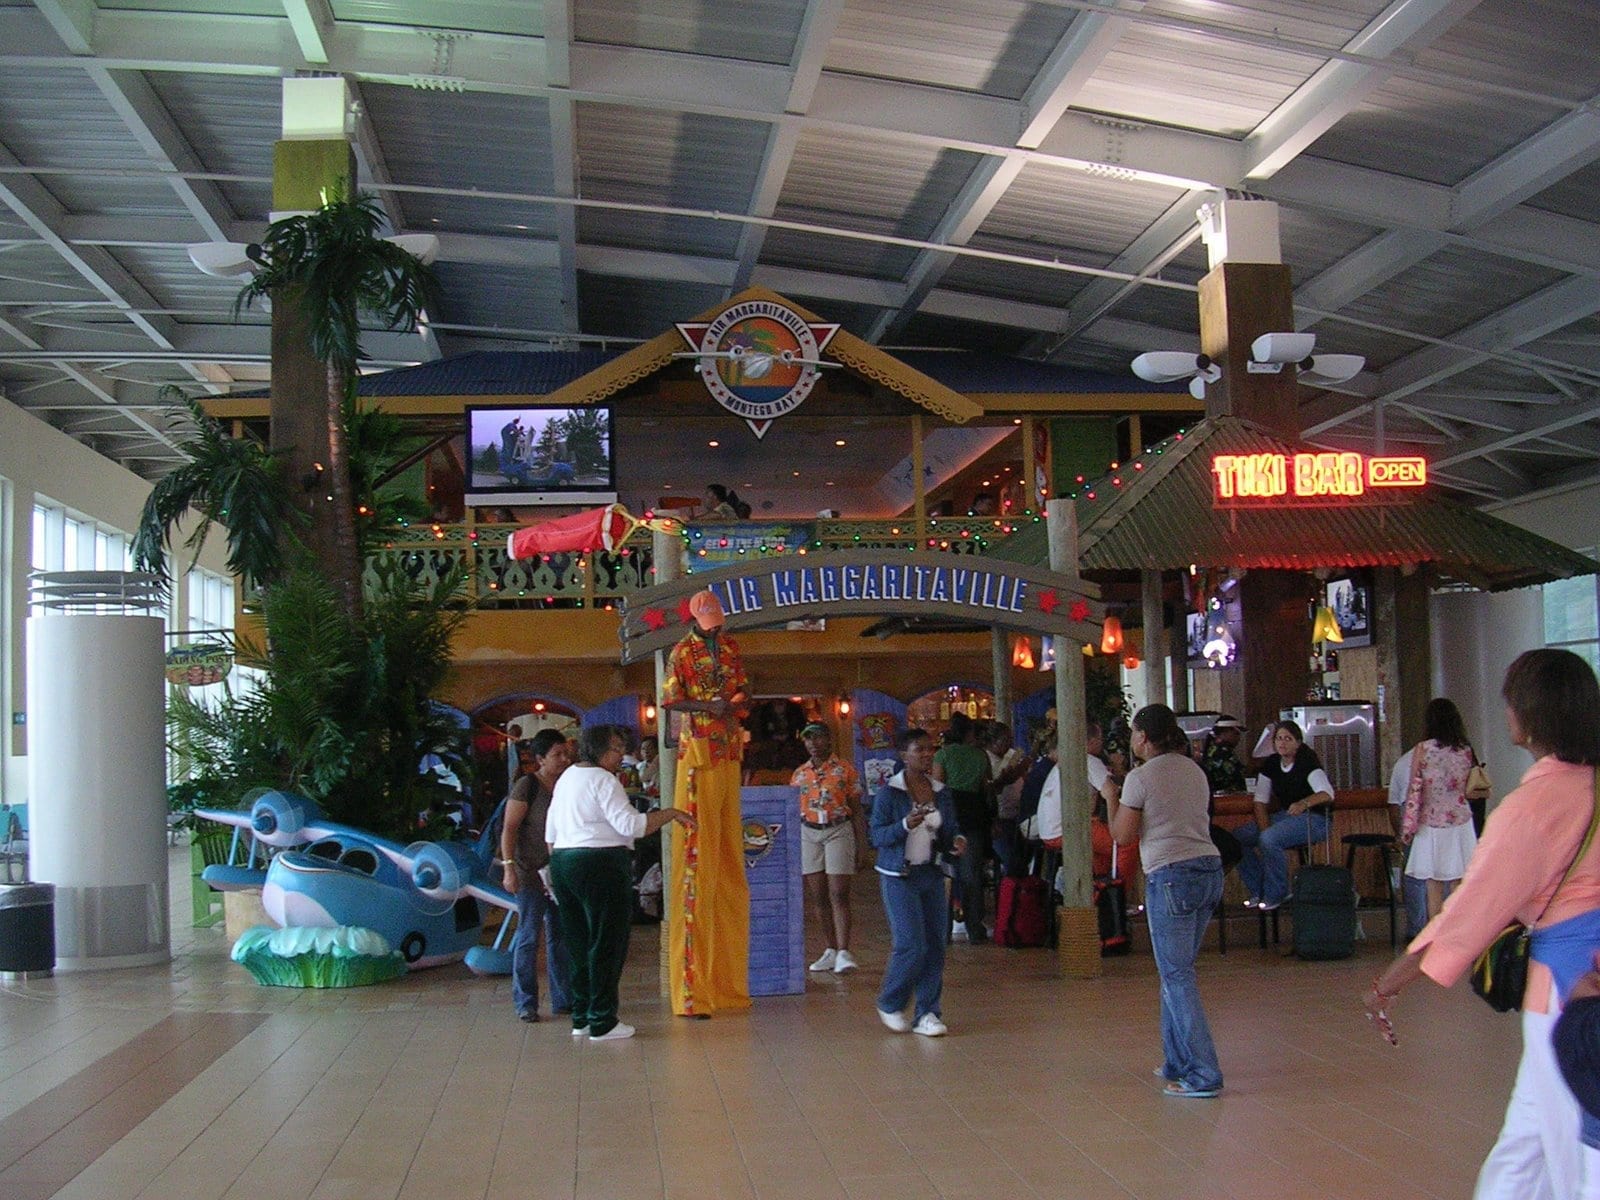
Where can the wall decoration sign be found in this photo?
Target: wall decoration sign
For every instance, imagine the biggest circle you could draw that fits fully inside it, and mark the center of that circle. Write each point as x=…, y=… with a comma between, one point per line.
x=718, y=545
x=773, y=590
x=1268, y=480
x=777, y=911
x=759, y=359
x=197, y=664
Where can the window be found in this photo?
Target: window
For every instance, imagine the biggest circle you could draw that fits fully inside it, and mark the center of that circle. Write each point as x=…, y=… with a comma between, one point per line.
x=1572, y=616
x=65, y=541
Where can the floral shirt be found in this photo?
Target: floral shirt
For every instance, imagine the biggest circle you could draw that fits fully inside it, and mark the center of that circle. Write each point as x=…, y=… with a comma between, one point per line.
x=827, y=793
x=693, y=674
x=1439, y=788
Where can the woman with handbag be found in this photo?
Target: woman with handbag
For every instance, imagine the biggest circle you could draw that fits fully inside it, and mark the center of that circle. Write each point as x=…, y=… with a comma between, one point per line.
x=1537, y=864
x=1436, y=820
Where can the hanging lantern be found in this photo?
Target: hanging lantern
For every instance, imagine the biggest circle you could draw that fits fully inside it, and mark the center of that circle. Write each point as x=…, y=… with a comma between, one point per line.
x=1111, y=636
x=1088, y=649
x=1047, y=653
x=844, y=706
x=1132, y=662
x=1326, y=626
x=1022, y=652
x=649, y=714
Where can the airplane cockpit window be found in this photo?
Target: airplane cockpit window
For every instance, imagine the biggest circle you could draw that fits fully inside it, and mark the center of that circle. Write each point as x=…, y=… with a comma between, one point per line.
x=364, y=861
x=328, y=848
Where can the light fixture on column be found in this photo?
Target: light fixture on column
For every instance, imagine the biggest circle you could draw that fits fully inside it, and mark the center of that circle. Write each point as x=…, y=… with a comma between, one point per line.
x=1169, y=366
x=1271, y=352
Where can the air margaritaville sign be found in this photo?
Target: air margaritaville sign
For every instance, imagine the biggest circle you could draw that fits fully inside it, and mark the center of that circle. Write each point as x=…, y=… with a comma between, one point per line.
x=869, y=583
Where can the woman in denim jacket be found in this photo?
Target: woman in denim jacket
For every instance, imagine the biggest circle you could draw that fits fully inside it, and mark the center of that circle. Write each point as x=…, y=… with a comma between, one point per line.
x=913, y=822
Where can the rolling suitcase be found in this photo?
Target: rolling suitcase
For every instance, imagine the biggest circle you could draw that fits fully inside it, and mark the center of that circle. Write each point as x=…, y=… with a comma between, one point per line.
x=1111, y=901
x=1022, y=917
x=1324, y=908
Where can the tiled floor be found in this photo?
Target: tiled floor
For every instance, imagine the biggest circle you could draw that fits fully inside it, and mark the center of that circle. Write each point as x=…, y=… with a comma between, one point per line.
x=190, y=1082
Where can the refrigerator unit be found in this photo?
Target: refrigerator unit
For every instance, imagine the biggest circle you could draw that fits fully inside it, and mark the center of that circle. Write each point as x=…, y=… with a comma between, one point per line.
x=1345, y=736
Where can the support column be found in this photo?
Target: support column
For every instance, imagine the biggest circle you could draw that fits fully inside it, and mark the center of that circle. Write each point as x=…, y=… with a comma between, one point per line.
x=919, y=491
x=1155, y=640
x=1000, y=662
x=1403, y=649
x=1079, y=947
x=666, y=555
x=314, y=161
x=1178, y=653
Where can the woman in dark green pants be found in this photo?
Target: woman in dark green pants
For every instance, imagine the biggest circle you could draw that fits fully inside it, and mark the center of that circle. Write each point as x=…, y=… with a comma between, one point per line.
x=591, y=830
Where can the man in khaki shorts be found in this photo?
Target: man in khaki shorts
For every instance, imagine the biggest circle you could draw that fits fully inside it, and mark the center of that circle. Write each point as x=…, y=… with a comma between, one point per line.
x=833, y=842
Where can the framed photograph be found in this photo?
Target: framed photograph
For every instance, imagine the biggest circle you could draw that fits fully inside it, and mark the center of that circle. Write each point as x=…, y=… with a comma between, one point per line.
x=1351, y=601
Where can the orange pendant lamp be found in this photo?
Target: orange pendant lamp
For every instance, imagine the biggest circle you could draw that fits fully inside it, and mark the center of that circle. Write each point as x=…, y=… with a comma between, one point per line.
x=1111, y=636
x=1022, y=652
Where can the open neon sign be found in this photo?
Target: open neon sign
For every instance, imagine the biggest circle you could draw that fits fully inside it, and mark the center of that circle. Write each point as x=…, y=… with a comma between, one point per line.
x=1329, y=478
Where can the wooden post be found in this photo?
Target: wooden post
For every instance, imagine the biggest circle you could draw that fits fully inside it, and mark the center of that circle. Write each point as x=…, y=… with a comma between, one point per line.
x=1079, y=946
x=1030, y=489
x=667, y=556
x=1000, y=660
x=1178, y=650
x=1155, y=641
x=919, y=493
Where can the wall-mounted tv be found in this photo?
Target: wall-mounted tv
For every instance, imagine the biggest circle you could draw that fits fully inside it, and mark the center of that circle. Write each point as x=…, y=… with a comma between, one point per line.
x=1351, y=601
x=540, y=454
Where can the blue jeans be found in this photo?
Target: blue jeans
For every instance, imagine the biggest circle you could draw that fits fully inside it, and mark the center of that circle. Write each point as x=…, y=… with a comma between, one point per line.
x=919, y=917
x=1264, y=869
x=1179, y=900
x=537, y=911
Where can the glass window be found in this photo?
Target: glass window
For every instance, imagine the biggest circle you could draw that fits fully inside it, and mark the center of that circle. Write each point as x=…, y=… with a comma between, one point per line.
x=1572, y=616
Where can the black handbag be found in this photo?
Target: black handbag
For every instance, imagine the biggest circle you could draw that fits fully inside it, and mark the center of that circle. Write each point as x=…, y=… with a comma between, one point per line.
x=1500, y=973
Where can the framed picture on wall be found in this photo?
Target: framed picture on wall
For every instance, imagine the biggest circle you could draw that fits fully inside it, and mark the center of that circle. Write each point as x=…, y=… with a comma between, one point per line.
x=1351, y=601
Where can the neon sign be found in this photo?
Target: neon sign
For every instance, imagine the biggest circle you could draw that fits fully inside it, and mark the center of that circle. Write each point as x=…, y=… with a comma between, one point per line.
x=1318, y=478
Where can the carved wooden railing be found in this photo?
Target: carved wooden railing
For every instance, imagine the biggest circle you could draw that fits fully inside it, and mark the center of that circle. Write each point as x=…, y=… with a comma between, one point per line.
x=572, y=580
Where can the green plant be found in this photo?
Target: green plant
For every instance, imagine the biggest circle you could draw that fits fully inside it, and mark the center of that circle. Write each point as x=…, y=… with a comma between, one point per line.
x=329, y=267
x=341, y=714
x=233, y=482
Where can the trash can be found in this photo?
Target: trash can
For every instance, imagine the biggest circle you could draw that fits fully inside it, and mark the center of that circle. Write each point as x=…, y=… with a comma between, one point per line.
x=27, y=930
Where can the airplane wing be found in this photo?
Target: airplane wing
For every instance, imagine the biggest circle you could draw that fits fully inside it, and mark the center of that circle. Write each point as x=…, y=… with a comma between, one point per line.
x=493, y=895
x=239, y=819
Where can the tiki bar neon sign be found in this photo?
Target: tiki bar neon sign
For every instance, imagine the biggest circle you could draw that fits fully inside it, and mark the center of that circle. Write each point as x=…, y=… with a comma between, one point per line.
x=1305, y=479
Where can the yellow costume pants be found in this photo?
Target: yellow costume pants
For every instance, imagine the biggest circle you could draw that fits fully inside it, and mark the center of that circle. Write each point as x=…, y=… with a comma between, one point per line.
x=709, y=916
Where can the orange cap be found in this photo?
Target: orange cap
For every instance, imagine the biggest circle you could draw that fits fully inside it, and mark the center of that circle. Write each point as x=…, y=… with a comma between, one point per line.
x=706, y=610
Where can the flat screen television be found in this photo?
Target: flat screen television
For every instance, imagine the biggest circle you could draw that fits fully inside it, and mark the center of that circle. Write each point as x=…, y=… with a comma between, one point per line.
x=1351, y=601
x=540, y=454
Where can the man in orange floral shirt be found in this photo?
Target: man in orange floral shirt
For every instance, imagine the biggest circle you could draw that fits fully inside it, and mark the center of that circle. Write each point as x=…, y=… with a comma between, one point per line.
x=833, y=842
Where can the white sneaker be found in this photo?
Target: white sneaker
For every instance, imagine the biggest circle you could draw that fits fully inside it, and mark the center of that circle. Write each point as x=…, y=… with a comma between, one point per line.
x=896, y=1021
x=929, y=1025
x=958, y=931
x=615, y=1034
x=843, y=961
x=582, y=1033
x=826, y=962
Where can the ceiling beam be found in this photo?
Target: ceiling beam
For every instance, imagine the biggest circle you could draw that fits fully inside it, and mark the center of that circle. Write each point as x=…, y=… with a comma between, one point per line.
x=562, y=117
x=1529, y=430
x=312, y=22
x=73, y=22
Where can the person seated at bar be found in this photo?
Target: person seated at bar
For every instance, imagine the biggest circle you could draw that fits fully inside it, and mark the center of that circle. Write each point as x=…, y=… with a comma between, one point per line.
x=723, y=504
x=1220, y=756
x=1293, y=806
x=1100, y=840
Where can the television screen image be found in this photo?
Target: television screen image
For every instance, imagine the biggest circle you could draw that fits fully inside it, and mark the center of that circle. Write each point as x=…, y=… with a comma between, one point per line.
x=1351, y=602
x=1195, y=635
x=541, y=455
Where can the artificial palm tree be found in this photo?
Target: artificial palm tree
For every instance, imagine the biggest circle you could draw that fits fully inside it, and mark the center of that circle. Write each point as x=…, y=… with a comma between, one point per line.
x=328, y=268
x=234, y=482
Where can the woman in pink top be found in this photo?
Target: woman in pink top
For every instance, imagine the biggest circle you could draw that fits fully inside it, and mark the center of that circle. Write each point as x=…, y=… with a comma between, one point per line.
x=1552, y=709
x=1438, y=820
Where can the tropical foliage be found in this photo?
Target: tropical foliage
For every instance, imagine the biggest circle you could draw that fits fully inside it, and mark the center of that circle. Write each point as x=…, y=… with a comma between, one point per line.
x=233, y=482
x=342, y=712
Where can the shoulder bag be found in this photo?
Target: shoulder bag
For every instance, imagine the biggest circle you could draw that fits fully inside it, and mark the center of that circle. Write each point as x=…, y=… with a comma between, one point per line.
x=1479, y=785
x=1500, y=973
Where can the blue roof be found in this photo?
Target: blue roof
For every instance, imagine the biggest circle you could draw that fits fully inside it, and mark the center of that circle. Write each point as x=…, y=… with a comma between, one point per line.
x=540, y=372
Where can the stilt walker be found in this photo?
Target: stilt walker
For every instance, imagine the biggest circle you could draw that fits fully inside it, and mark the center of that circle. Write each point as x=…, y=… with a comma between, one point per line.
x=709, y=917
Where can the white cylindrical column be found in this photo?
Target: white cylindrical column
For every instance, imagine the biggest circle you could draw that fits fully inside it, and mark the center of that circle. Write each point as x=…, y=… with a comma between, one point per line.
x=97, y=785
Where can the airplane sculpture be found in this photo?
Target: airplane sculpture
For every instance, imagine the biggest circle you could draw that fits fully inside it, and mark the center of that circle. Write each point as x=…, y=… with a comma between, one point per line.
x=424, y=899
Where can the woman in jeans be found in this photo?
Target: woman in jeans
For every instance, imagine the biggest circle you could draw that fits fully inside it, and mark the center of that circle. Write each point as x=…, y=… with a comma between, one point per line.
x=1294, y=803
x=1163, y=805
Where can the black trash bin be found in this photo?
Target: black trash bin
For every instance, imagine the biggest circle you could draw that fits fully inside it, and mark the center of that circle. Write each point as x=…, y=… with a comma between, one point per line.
x=27, y=929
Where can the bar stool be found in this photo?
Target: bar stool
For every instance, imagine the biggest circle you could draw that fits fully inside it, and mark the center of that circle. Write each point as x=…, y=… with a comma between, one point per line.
x=1384, y=844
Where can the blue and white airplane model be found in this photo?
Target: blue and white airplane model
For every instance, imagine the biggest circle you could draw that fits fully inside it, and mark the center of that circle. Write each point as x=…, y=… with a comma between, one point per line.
x=424, y=899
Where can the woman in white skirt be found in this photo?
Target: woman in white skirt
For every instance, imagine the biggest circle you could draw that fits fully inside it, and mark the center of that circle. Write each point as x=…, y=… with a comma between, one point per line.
x=1437, y=820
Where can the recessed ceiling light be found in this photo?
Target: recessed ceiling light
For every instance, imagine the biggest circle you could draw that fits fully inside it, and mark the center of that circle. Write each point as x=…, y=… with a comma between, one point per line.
x=751, y=485
x=796, y=474
x=713, y=442
x=1016, y=420
x=838, y=442
x=828, y=484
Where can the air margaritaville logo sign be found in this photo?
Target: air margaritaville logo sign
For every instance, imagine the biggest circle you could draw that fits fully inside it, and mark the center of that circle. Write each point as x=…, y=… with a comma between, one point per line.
x=772, y=591
x=759, y=359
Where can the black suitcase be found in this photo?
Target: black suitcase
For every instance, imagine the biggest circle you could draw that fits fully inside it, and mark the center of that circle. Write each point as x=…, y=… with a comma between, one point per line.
x=1111, y=901
x=1324, y=910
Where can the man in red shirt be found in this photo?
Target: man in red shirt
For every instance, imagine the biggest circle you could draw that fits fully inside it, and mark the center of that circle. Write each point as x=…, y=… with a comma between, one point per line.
x=833, y=842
